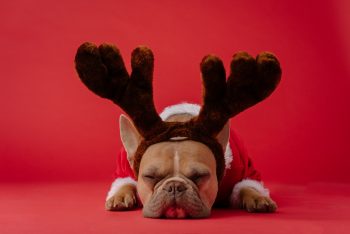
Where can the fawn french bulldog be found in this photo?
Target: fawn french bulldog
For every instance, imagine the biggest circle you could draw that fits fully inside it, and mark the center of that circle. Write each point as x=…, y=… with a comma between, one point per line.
x=178, y=164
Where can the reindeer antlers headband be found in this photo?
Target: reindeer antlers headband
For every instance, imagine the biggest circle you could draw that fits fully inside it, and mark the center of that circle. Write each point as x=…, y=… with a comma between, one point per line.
x=250, y=81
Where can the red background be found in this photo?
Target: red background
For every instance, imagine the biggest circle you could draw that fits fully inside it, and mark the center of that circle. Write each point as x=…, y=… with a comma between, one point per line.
x=58, y=141
x=53, y=129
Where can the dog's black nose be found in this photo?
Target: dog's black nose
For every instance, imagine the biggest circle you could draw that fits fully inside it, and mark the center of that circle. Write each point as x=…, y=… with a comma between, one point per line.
x=175, y=187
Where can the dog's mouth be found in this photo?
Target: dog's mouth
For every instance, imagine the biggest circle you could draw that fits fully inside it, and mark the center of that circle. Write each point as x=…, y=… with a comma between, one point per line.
x=167, y=202
x=173, y=209
x=175, y=212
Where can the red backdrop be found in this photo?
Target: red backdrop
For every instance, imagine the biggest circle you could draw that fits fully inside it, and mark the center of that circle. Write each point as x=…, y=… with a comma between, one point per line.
x=53, y=128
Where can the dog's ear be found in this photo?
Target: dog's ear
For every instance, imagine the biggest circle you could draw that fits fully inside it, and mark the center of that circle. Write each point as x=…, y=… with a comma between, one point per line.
x=224, y=135
x=130, y=137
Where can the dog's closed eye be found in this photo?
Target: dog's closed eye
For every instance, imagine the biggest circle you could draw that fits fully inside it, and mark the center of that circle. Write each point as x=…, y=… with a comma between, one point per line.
x=152, y=179
x=198, y=177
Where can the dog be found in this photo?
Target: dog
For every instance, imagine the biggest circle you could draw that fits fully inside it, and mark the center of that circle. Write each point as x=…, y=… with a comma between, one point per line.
x=177, y=178
x=181, y=163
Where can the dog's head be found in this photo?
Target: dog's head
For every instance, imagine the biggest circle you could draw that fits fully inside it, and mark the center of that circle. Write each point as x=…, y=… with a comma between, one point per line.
x=178, y=162
x=177, y=178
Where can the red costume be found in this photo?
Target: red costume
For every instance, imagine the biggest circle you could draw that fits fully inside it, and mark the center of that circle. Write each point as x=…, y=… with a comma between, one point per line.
x=239, y=169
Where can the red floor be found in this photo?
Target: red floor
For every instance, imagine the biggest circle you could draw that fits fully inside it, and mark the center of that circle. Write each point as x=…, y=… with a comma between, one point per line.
x=79, y=208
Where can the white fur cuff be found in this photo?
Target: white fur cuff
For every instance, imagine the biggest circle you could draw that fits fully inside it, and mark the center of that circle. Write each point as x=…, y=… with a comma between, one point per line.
x=259, y=186
x=117, y=184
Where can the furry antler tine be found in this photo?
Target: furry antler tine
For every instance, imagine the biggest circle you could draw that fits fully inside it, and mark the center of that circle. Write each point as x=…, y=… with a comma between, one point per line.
x=103, y=71
x=214, y=112
x=138, y=98
x=251, y=80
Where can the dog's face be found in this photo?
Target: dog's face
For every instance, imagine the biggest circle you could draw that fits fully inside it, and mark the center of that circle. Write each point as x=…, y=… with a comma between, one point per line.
x=177, y=178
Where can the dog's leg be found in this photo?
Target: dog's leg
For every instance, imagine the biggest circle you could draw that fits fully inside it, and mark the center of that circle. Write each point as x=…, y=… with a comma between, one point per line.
x=122, y=197
x=253, y=201
x=252, y=196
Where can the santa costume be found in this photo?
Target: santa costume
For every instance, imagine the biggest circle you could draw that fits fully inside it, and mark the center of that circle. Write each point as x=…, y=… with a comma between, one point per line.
x=239, y=170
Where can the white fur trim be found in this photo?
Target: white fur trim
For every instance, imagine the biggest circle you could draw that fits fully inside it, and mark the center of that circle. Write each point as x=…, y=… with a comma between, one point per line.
x=257, y=185
x=182, y=108
x=228, y=156
x=117, y=184
x=179, y=138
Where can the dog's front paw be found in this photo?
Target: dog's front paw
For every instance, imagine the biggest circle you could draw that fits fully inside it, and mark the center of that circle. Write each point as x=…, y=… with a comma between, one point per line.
x=124, y=199
x=252, y=201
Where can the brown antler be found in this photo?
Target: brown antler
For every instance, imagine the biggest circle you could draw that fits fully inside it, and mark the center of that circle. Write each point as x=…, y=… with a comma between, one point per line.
x=103, y=71
x=250, y=81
